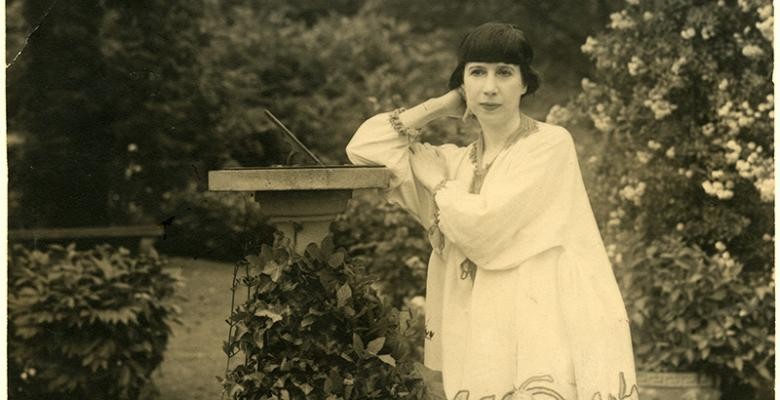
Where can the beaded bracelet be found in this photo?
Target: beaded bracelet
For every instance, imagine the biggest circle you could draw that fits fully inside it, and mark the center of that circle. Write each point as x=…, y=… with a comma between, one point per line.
x=399, y=127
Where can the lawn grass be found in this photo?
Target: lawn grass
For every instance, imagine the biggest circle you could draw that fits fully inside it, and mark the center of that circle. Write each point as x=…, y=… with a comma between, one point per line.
x=194, y=357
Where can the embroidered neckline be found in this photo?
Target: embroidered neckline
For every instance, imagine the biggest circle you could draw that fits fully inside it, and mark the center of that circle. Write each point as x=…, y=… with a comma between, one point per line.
x=527, y=127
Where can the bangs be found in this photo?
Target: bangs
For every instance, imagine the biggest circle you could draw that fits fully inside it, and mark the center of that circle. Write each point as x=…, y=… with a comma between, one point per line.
x=494, y=42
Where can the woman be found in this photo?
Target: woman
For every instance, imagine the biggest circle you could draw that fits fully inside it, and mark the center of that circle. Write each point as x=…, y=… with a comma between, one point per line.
x=521, y=300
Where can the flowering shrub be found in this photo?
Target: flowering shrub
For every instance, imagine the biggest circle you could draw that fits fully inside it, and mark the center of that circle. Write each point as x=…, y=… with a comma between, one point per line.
x=682, y=103
x=85, y=324
x=312, y=327
x=390, y=243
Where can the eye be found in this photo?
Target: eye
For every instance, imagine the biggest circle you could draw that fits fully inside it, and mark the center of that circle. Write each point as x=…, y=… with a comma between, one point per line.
x=505, y=72
x=477, y=72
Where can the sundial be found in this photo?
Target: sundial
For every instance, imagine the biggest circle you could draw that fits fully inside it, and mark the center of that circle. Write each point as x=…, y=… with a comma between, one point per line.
x=300, y=200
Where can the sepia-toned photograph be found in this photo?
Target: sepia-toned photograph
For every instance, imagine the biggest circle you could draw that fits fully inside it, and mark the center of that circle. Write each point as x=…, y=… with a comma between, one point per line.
x=367, y=199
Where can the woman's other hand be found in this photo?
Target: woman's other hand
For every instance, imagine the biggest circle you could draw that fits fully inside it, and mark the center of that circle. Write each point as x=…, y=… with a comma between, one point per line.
x=428, y=165
x=452, y=104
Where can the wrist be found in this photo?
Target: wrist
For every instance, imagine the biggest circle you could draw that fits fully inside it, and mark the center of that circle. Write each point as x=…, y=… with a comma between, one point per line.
x=435, y=108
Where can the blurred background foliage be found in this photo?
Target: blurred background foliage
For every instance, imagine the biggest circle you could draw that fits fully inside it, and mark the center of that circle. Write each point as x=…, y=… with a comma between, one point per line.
x=116, y=107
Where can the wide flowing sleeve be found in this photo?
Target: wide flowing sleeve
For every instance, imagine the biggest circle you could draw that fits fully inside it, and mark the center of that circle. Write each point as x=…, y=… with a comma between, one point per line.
x=523, y=211
x=376, y=142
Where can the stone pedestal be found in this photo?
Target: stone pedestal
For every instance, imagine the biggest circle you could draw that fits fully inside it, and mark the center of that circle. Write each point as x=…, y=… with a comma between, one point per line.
x=301, y=201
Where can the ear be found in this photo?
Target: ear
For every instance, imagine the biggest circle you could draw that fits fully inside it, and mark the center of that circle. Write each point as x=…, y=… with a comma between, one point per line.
x=525, y=88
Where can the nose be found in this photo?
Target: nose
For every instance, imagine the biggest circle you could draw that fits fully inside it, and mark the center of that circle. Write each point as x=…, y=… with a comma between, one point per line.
x=489, y=88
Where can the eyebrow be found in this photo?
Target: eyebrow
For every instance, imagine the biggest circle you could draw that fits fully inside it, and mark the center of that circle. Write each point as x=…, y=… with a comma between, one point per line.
x=484, y=65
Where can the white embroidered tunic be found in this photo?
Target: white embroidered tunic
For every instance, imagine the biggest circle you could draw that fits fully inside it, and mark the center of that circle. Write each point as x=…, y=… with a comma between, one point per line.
x=543, y=315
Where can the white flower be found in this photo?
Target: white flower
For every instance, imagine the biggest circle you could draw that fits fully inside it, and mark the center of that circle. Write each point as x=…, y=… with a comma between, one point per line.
x=132, y=147
x=717, y=174
x=752, y=51
x=558, y=115
x=725, y=109
x=603, y=122
x=720, y=246
x=723, y=84
x=689, y=174
x=680, y=226
x=767, y=22
x=767, y=237
x=643, y=157
x=647, y=16
x=621, y=21
x=636, y=66
x=653, y=145
x=708, y=129
x=678, y=64
x=589, y=46
x=587, y=84
x=766, y=188
x=592, y=159
x=688, y=33
x=670, y=153
x=725, y=194
x=660, y=108
x=707, y=32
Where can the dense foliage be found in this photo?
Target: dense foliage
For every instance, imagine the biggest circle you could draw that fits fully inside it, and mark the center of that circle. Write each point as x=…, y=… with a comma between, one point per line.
x=212, y=225
x=390, y=243
x=312, y=327
x=85, y=324
x=682, y=101
x=131, y=102
x=105, y=109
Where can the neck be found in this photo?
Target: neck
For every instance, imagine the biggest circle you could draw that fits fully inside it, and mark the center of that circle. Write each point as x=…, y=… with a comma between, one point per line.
x=496, y=133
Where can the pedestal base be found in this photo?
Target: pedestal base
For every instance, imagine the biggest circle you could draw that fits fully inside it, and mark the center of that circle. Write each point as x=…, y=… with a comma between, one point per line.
x=303, y=231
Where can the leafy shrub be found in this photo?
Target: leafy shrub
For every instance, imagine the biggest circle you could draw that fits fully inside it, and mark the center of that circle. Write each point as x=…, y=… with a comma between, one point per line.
x=682, y=103
x=692, y=311
x=85, y=324
x=213, y=225
x=313, y=328
x=389, y=242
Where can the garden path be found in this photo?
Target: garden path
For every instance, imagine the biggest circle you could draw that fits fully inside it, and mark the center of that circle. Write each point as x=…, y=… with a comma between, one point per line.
x=194, y=357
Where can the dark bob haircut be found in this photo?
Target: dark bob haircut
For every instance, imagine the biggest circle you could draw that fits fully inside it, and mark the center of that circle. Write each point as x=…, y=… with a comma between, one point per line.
x=496, y=42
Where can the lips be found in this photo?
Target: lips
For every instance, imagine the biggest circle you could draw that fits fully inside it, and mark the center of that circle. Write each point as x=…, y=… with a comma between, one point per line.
x=490, y=106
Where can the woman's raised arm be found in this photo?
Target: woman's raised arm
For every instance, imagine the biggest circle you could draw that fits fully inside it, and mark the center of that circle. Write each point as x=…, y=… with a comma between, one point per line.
x=384, y=139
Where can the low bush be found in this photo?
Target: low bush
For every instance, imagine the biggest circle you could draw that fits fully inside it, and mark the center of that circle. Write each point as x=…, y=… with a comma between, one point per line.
x=313, y=327
x=86, y=324
x=700, y=312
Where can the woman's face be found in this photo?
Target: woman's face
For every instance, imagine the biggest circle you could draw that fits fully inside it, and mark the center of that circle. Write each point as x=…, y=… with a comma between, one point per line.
x=493, y=90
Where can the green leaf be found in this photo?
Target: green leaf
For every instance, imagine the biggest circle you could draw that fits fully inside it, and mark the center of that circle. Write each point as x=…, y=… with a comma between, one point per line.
x=375, y=345
x=274, y=316
x=357, y=343
x=336, y=259
x=343, y=295
x=387, y=359
x=327, y=247
x=273, y=270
